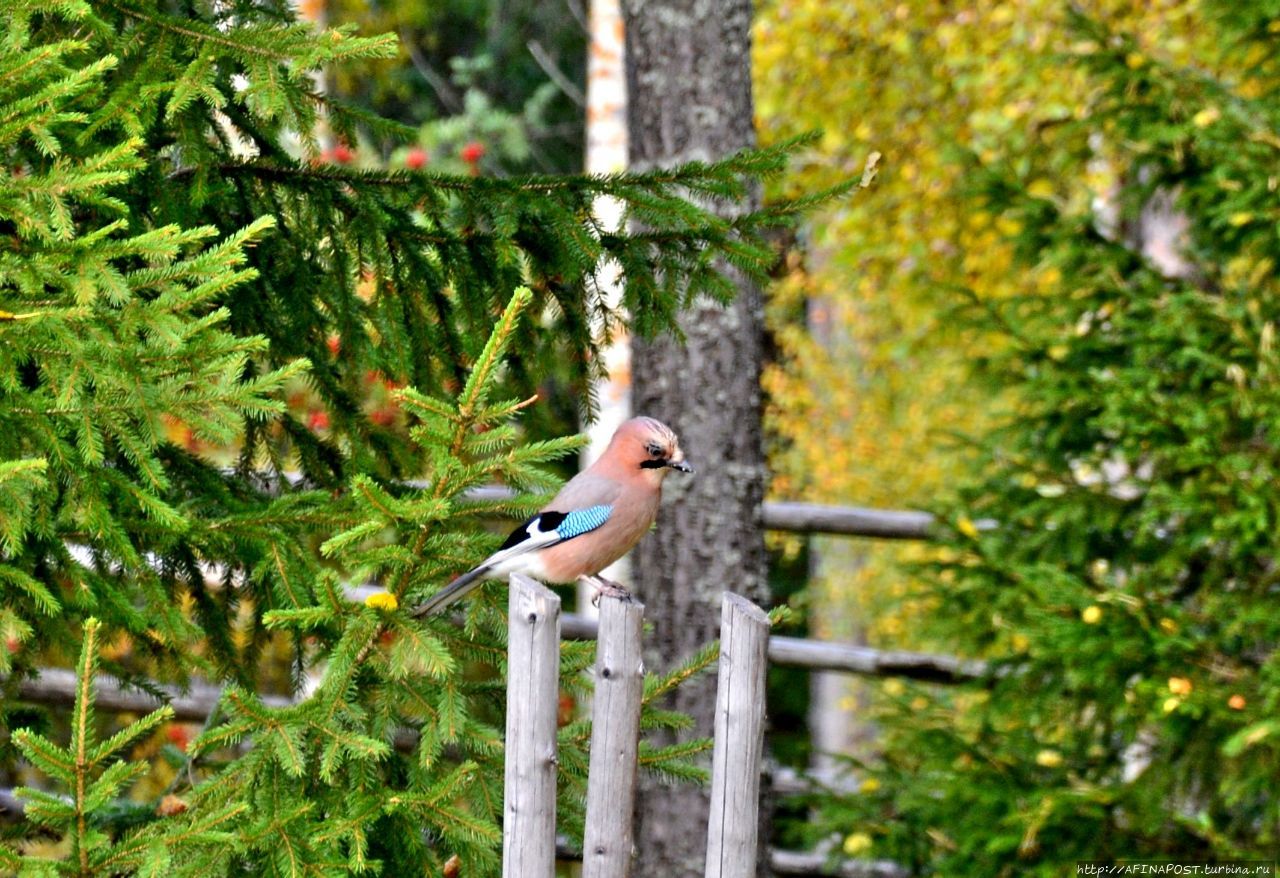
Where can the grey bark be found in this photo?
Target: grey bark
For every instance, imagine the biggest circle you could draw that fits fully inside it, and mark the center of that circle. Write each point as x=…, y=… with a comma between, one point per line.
x=689, y=92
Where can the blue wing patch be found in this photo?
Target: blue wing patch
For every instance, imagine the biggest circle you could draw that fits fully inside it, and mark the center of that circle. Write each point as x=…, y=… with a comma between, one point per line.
x=581, y=521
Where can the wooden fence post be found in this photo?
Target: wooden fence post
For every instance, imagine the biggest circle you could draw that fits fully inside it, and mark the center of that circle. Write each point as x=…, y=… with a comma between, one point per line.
x=533, y=695
x=732, y=848
x=615, y=739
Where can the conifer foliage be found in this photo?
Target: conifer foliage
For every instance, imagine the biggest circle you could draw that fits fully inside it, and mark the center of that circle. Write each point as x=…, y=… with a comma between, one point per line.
x=173, y=253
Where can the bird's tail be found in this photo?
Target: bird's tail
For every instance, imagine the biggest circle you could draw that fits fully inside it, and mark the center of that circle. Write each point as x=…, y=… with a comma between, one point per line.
x=459, y=588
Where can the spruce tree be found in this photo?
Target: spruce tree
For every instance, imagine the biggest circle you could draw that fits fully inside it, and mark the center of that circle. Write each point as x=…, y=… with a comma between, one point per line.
x=1125, y=594
x=174, y=253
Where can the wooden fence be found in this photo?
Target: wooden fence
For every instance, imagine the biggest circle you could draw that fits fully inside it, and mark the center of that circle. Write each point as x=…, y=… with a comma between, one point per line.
x=528, y=826
x=536, y=626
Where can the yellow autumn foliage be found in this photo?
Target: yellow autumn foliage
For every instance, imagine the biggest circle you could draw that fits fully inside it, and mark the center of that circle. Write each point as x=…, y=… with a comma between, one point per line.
x=872, y=387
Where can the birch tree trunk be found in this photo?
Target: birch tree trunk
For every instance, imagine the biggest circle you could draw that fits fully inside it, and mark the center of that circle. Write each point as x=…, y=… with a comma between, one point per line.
x=689, y=97
x=607, y=154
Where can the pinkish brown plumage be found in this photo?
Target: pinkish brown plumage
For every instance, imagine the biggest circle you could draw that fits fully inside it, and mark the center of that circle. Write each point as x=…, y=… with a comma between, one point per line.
x=597, y=517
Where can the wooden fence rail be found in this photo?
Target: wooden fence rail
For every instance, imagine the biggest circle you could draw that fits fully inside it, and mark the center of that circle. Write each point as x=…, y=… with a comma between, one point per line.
x=792, y=517
x=56, y=686
x=780, y=515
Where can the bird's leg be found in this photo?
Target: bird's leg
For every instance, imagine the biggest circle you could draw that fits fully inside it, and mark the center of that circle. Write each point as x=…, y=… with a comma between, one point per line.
x=604, y=586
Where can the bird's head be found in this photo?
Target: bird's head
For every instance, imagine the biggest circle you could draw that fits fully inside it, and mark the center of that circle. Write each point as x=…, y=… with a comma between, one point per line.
x=650, y=446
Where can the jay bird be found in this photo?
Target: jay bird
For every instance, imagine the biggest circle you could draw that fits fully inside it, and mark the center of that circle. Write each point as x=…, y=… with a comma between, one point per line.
x=597, y=517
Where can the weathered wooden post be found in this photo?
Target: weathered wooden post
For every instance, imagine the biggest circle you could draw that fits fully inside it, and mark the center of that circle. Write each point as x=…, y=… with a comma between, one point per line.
x=739, y=745
x=615, y=738
x=533, y=694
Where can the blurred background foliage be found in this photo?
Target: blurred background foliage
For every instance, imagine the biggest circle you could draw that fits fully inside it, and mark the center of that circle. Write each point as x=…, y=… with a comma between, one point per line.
x=1055, y=310
x=870, y=397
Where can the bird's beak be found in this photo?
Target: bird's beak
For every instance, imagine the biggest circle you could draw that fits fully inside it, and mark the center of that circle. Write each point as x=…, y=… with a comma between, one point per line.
x=682, y=465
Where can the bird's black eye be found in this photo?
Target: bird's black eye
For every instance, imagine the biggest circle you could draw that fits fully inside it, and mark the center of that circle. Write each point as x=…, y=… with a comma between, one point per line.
x=654, y=449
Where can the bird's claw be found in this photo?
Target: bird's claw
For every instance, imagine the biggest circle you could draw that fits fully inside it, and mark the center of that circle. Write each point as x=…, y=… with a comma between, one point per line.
x=607, y=587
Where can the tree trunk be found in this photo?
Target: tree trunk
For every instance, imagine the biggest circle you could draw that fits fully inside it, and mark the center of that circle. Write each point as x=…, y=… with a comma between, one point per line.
x=689, y=97
x=607, y=154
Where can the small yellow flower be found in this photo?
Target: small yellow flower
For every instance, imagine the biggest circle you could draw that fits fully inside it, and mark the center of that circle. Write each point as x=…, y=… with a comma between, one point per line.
x=382, y=600
x=1135, y=60
x=870, y=785
x=1171, y=703
x=857, y=843
x=1206, y=117
x=1049, y=758
x=966, y=526
x=1180, y=686
x=1091, y=615
x=1020, y=642
x=1168, y=626
x=1243, y=218
x=894, y=687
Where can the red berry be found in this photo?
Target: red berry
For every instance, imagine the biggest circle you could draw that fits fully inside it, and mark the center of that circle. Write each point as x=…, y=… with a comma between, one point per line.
x=335, y=344
x=12, y=644
x=383, y=417
x=342, y=154
x=319, y=420
x=472, y=152
x=177, y=735
x=416, y=158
